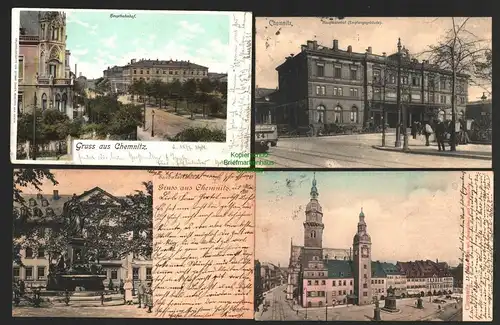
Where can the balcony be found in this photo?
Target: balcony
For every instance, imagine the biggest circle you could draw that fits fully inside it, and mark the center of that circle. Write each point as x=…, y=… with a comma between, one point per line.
x=46, y=81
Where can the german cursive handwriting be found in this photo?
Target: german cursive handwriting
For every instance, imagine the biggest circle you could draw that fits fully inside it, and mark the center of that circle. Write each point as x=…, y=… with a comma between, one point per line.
x=477, y=243
x=203, y=244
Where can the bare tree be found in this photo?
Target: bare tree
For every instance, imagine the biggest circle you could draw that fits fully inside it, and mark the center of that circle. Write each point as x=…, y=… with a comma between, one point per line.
x=458, y=52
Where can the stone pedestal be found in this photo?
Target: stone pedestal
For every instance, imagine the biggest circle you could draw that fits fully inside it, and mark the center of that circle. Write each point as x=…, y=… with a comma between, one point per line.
x=376, y=314
x=390, y=305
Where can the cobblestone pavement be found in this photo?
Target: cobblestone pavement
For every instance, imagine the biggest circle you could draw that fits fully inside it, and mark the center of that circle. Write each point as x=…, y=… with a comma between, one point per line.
x=356, y=151
x=123, y=311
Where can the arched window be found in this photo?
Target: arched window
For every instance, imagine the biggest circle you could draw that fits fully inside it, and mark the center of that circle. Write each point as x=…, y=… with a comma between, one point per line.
x=354, y=114
x=313, y=233
x=320, y=110
x=337, y=114
x=44, y=101
x=58, y=102
x=64, y=102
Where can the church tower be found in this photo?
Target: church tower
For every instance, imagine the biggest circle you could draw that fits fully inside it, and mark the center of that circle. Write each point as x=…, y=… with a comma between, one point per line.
x=313, y=231
x=362, y=263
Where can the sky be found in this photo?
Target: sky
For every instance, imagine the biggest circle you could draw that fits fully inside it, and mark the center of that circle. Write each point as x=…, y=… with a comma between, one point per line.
x=274, y=43
x=409, y=215
x=97, y=41
x=77, y=181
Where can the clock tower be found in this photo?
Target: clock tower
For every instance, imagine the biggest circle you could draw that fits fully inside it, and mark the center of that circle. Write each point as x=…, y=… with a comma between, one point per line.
x=362, y=263
x=313, y=231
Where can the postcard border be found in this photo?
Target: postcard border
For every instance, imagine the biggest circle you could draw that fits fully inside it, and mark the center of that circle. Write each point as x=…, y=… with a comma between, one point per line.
x=176, y=154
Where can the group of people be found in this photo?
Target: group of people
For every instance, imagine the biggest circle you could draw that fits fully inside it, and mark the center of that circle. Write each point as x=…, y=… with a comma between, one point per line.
x=145, y=296
x=443, y=131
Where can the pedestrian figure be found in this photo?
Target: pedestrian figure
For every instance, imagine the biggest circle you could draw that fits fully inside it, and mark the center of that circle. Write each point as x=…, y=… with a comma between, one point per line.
x=122, y=287
x=22, y=288
x=149, y=294
x=440, y=135
x=427, y=132
x=140, y=294
x=414, y=130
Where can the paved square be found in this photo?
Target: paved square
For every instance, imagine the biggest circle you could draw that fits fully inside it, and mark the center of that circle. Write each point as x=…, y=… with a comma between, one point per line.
x=123, y=311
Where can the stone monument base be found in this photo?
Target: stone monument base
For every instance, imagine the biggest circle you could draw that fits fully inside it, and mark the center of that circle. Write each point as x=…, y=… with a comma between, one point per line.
x=390, y=305
x=87, y=282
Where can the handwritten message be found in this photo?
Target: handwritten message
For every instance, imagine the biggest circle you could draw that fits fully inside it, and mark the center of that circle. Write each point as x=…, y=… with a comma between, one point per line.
x=203, y=246
x=477, y=245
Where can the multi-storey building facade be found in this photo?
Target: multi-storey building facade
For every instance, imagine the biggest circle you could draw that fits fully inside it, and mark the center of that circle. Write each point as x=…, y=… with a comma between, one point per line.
x=395, y=279
x=121, y=77
x=49, y=211
x=427, y=277
x=44, y=77
x=326, y=85
x=379, y=281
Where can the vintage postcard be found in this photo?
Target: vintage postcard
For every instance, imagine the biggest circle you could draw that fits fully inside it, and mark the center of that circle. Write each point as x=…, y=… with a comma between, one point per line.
x=333, y=247
x=373, y=92
x=120, y=87
x=114, y=243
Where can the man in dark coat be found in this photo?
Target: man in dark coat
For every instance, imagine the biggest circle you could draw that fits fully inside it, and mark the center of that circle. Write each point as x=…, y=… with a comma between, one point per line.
x=140, y=294
x=440, y=135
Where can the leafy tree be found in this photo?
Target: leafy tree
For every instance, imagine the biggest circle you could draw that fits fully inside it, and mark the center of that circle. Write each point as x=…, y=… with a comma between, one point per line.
x=125, y=120
x=102, y=86
x=200, y=134
x=189, y=89
x=138, y=219
x=33, y=177
x=25, y=127
x=175, y=88
x=484, y=68
x=458, y=52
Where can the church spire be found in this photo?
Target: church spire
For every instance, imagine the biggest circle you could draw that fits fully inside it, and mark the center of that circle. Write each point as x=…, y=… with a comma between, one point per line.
x=314, y=189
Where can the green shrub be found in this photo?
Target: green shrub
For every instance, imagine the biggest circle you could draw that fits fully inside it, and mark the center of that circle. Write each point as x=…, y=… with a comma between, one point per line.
x=200, y=134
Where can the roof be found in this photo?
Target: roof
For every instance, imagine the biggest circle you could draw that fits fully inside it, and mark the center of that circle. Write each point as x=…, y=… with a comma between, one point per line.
x=424, y=269
x=390, y=269
x=56, y=203
x=338, y=269
x=378, y=270
x=263, y=92
x=29, y=20
x=146, y=63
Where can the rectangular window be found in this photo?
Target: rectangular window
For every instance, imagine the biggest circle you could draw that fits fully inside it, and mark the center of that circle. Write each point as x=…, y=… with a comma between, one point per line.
x=16, y=271
x=442, y=84
x=404, y=80
x=323, y=282
x=344, y=292
x=365, y=294
x=392, y=79
x=320, y=70
x=20, y=68
x=309, y=282
x=376, y=75
x=114, y=274
x=317, y=90
x=354, y=74
x=135, y=71
x=53, y=70
x=20, y=108
x=354, y=116
x=338, y=72
x=334, y=293
x=135, y=273
x=340, y=292
x=316, y=282
x=28, y=252
x=365, y=285
x=333, y=283
x=350, y=292
x=41, y=252
x=309, y=293
x=364, y=266
x=149, y=273
x=29, y=273
x=344, y=283
x=40, y=272
x=351, y=282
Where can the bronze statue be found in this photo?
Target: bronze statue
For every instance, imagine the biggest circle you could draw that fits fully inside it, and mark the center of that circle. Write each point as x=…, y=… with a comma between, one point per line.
x=390, y=291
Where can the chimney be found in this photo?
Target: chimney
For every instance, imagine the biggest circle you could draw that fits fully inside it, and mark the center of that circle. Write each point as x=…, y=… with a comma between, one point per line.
x=76, y=70
x=349, y=49
x=303, y=48
x=56, y=195
x=369, y=50
x=80, y=75
x=335, y=44
x=310, y=45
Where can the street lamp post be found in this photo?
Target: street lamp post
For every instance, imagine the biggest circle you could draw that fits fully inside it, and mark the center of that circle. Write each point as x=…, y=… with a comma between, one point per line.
x=398, y=97
x=152, y=123
x=144, y=115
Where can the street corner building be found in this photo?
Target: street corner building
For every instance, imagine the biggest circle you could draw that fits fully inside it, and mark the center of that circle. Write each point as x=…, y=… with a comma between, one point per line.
x=44, y=76
x=324, y=87
x=319, y=276
x=93, y=273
